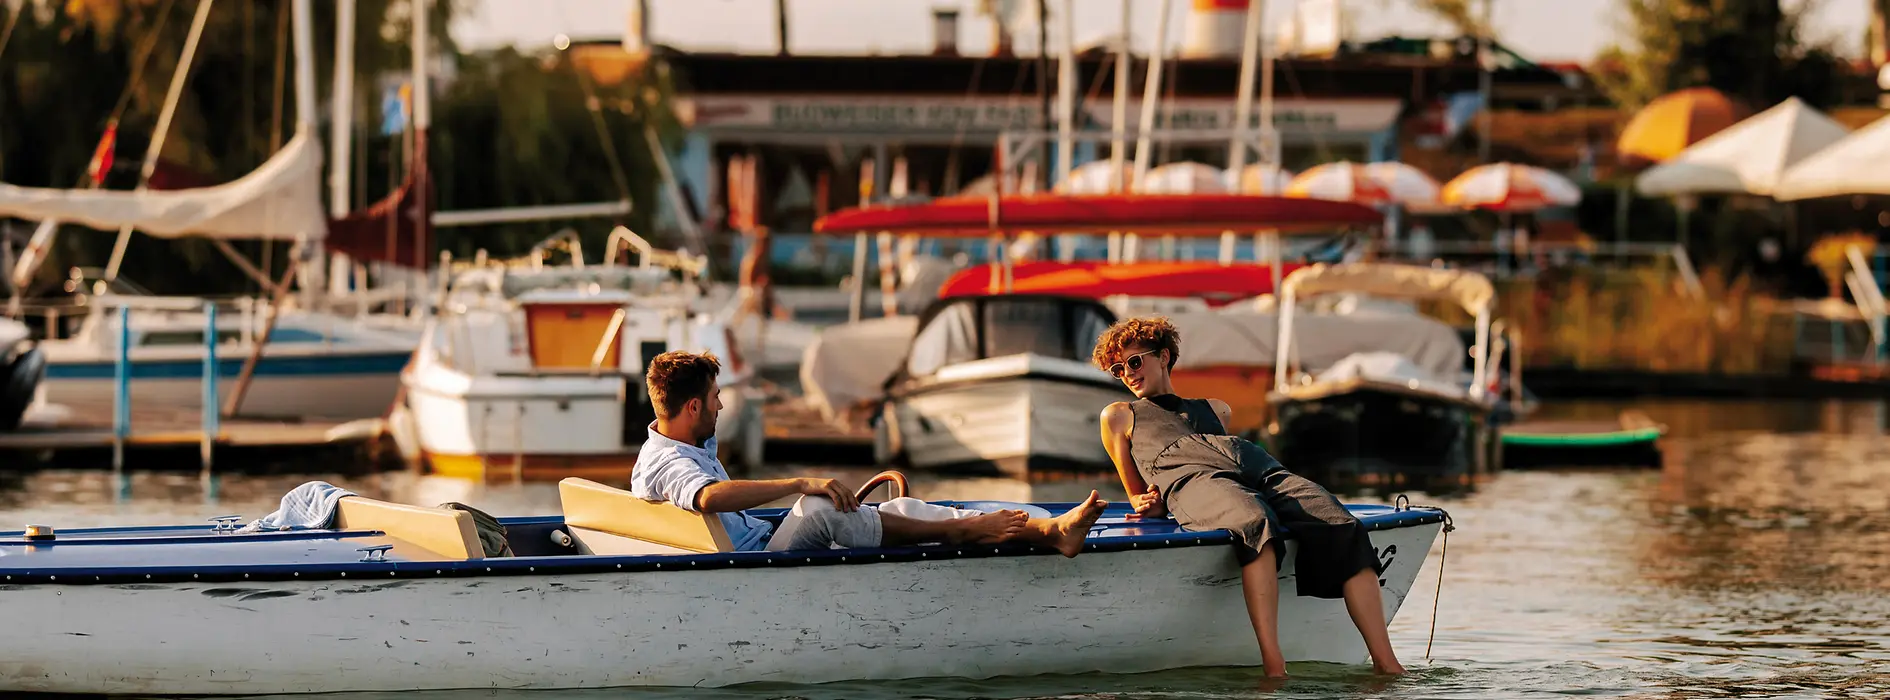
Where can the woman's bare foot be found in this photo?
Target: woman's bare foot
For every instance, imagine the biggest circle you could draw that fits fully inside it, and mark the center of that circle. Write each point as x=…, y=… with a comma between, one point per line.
x=994, y=527
x=1392, y=668
x=1066, y=532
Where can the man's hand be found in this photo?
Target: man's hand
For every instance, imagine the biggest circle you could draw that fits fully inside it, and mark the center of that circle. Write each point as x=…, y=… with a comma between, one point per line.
x=842, y=498
x=1149, y=504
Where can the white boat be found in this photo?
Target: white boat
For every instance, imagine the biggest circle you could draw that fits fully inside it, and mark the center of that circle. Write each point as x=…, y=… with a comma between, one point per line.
x=1385, y=411
x=1000, y=383
x=538, y=373
x=196, y=610
x=315, y=365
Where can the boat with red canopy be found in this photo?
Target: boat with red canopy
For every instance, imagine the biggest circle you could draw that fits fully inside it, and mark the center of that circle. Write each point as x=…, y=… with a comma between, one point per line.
x=1216, y=283
x=1148, y=214
x=1034, y=403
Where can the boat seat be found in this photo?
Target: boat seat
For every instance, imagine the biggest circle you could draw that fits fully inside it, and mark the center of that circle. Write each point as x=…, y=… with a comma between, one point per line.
x=606, y=520
x=445, y=532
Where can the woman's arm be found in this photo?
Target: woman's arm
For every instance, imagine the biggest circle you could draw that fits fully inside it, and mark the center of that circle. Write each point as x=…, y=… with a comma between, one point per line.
x=1117, y=424
x=1222, y=411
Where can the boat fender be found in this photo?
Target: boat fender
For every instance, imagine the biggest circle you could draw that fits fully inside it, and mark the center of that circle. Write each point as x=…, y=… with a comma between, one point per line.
x=18, y=381
x=560, y=538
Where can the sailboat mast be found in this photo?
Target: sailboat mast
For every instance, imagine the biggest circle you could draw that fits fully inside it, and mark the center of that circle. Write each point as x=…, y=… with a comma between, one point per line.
x=1066, y=90
x=1243, y=102
x=342, y=141
x=156, y=147
x=422, y=47
x=1119, y=129
x=303, y=21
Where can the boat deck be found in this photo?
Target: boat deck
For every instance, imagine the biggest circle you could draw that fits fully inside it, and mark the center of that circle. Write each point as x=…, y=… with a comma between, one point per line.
x=201, y=553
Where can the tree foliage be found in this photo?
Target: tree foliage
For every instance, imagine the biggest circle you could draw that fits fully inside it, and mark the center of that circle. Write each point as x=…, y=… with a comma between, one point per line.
x=509, y=128
x=1751, y=50
x=1461, y=14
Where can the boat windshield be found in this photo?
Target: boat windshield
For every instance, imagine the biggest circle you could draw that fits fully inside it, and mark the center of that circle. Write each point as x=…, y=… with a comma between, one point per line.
x=976, y=328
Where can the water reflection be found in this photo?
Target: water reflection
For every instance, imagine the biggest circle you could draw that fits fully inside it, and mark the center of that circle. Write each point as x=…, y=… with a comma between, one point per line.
x=1754, y=562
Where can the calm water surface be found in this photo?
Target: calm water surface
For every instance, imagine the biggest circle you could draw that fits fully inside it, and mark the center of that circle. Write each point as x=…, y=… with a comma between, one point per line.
x=1754, y=563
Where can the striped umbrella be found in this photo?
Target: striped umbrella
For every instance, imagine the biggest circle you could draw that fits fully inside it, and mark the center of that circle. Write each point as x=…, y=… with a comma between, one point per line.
x=1509, y=187
x=1182, y=178
x=1095, y=177
x=1343, y=181
x=1407, y=185
x=1262, y=178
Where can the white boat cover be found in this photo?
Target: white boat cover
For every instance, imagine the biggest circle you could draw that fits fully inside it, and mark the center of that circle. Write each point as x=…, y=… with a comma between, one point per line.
x=1750, y=157
x=850, y=362
x=1389, y=367
x=1250, y=339
x=1854, y=165
x=282, y=200
x=1470, y=290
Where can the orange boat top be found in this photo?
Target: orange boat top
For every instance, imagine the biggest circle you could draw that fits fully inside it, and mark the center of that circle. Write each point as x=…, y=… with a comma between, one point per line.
x=1216, y=283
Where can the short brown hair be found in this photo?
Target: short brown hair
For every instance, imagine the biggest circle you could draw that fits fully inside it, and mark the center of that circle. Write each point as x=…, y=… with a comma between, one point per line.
x=1154, y=333
x=675, y=377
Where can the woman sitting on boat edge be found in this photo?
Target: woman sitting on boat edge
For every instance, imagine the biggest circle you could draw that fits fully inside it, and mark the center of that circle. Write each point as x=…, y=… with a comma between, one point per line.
x=678, y=464
x=1174, y=456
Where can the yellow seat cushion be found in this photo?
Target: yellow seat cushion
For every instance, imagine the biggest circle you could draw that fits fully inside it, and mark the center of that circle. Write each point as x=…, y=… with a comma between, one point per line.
x=448, y=533
x=599, y=516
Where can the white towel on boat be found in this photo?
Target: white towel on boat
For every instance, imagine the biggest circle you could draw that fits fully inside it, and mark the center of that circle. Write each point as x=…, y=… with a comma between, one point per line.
x=309, y=506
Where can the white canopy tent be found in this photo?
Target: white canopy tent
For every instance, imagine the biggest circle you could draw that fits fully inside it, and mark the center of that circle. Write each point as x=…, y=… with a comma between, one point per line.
x=1750, y=157
x=1854, y=165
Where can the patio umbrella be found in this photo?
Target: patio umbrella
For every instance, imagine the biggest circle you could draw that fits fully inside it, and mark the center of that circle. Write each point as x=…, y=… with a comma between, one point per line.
x=1510, y=187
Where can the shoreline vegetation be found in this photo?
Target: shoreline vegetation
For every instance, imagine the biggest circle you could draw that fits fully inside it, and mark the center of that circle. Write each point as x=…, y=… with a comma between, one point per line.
x=1643, y=320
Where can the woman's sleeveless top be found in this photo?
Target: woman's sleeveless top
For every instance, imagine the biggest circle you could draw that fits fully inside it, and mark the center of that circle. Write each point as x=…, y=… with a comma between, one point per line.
x=1175, y=439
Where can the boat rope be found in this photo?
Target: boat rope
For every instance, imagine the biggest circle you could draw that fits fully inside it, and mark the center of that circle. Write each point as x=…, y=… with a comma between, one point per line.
x=1403, y=502
x=1443, y=556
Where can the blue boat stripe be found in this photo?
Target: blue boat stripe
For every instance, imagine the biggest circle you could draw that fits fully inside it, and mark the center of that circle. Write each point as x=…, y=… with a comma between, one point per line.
x=192, y=368
x=1375, y=519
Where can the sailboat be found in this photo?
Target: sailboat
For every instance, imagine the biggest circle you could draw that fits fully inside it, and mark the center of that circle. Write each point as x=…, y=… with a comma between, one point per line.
x=308, y=360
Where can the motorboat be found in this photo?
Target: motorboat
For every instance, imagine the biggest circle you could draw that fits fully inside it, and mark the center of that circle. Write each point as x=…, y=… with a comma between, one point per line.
x=1383, y=412
x=1000, y=383
x=615, y=591
x=536, y=372
x=1118, y=287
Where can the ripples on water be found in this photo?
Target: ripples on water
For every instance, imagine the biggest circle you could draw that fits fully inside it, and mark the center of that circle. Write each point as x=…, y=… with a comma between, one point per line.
x=1754, y=563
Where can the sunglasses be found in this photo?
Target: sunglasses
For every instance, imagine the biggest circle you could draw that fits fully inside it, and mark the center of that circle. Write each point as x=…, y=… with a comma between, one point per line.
x=1134, y=363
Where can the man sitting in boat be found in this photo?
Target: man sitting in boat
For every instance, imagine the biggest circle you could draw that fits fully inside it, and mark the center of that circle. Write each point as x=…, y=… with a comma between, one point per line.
x=1174, y=456
x=677, y=464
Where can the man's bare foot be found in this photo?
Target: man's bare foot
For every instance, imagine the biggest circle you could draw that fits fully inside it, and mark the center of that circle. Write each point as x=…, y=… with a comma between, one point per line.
x=1272, y=673
x=1390, y=669
x=995, y=527
x=1068, y=530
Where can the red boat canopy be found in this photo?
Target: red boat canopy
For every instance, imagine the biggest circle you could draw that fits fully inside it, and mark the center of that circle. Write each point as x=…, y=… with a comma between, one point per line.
x=1218, y=284
x=1148, y=214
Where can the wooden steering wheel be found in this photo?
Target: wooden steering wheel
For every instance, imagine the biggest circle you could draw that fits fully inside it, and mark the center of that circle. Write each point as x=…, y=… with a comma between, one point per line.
x=897, y=480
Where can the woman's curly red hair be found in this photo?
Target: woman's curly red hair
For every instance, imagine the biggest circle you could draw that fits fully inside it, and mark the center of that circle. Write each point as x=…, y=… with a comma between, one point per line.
x=1152, y=333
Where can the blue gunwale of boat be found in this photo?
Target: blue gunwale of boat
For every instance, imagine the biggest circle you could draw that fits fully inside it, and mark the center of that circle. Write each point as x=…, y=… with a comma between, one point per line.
x=160, y=568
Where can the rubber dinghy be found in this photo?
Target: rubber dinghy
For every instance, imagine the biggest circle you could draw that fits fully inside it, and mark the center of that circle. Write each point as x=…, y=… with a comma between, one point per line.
x=622, y=592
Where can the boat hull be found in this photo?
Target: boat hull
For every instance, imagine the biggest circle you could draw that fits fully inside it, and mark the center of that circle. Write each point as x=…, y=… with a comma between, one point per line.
x=1372, y=435
x=541, y=429
x=343, y=388
x=1007, y=425
x=717, y=625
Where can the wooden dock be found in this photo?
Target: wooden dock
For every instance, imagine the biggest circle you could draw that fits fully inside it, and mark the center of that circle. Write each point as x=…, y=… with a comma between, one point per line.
x=171, y=438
